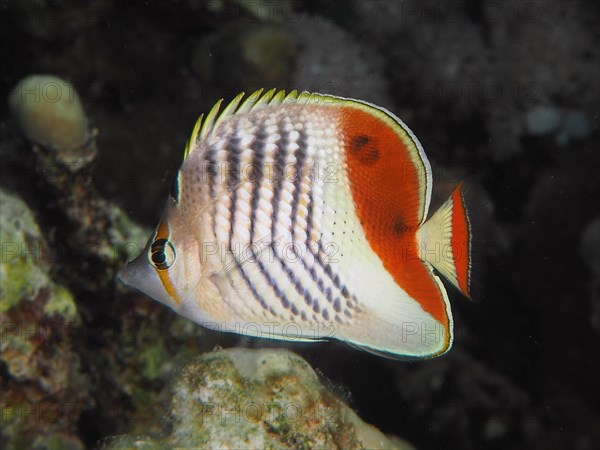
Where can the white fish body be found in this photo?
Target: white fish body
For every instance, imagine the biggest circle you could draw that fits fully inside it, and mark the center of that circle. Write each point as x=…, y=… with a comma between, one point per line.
x=302, y=217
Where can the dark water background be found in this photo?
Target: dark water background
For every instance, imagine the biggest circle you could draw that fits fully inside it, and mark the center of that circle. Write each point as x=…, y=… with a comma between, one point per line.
x=477, y=81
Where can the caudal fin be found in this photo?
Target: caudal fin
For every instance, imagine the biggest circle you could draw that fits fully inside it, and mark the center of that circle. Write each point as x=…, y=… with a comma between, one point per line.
x=446, y=240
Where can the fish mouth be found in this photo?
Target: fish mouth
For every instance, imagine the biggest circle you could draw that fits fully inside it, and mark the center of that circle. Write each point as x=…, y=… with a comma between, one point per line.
x=140, y=275
x=132, y=272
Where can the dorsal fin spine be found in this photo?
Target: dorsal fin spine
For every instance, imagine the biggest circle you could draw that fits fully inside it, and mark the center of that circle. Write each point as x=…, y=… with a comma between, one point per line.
x=265, y=99
x=291, y=97
x=279, y=98
x=257, y=99
x=208, y=124
x=229, y=110
x=194, y=136
x=250, y=101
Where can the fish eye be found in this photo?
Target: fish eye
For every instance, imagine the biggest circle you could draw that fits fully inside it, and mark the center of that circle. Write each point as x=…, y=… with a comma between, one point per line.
x=162, y=254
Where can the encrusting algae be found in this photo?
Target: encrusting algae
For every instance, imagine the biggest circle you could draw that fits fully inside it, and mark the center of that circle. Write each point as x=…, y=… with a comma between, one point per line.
x=45, y=391
x=243, y=398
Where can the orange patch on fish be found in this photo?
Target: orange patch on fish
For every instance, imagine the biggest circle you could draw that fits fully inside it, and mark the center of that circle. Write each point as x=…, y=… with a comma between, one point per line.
x=385, y=190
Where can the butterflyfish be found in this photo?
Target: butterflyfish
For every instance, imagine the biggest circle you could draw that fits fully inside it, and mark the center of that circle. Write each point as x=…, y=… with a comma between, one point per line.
x=304, y=216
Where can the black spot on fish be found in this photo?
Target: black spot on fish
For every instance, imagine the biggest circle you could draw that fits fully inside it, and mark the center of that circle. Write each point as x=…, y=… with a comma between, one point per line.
x=325, y=314
x=358, y=142
x=365, y=149
x=399, y=225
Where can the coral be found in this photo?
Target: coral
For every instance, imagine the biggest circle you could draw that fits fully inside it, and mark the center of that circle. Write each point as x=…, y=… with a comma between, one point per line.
x=489, y=64
x=46, y=18
x=248, y=55
x=25, y=264
x=43, y=391
x=260, y=9
x=339, y=65
x=577, y=126
x=49, y=112
x=529, y=75
x=83, y=223
x=565, y=126
x=82, y=240
x=140, y=359
x=442, y=63
x=542, y=120
x=383, y=18
x=440, y=69
x=241, y=398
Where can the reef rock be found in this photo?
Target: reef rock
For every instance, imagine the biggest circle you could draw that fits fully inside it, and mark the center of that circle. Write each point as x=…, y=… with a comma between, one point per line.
x=43, y=391
x=242, y=398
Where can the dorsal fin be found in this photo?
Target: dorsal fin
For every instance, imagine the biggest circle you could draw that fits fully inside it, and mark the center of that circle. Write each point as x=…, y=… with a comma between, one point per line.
x=229, y=109
x=257, y=99
x=210, y=120
x=250, y=101
x=265, y=99
x=194, y=136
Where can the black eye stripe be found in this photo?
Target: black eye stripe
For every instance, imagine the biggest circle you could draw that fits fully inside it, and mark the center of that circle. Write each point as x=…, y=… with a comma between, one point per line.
x=159, y=245
x=159, y=257
x=162, y=254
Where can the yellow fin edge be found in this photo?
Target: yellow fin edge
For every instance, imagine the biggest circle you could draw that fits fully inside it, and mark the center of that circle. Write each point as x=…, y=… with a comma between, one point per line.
x=258, y=99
